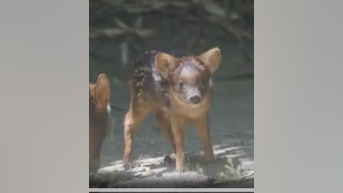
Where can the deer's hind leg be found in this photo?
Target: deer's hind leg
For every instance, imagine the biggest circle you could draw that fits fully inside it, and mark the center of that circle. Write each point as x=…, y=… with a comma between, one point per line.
x=139, y=109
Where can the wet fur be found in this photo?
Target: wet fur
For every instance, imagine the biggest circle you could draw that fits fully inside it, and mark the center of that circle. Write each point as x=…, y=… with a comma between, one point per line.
x=99, y=109
x=155, y=88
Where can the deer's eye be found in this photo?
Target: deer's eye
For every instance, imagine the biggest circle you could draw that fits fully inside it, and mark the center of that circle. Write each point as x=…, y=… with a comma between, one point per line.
x=203, y=83
x=181, y=84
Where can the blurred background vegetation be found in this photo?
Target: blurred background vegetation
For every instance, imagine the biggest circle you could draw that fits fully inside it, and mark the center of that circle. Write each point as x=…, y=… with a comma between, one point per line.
x=138, y=25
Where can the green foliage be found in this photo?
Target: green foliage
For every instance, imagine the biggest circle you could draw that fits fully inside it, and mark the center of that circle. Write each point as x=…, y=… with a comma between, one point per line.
x=222, y=168
x=222, y=13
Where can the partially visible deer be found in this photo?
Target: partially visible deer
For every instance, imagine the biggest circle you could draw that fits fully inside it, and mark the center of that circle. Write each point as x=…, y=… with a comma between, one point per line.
x=99, y=109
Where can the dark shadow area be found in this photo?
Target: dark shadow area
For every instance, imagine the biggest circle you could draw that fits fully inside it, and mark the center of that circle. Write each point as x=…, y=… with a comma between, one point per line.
x=208, y=183
x=120, y=31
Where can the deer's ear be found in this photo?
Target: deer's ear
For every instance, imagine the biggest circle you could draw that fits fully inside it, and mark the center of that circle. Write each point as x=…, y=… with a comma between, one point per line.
x=165, y=63
x=91, y=90
x=102, y=90
x=212, y=59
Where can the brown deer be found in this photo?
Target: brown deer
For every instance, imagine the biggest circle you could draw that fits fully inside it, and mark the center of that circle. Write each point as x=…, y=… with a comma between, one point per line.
x=99, y=109
x=178, y=90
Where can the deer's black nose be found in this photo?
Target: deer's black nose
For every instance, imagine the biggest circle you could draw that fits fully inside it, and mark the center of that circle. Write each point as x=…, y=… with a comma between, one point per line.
x=195, y=99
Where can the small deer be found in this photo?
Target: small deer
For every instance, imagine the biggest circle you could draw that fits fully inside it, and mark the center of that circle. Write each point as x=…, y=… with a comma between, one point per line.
x=177, y=89
x=99, y=109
